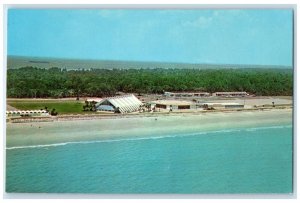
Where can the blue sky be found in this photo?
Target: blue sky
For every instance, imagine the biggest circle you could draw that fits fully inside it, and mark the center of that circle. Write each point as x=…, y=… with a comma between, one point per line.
x=193, y=36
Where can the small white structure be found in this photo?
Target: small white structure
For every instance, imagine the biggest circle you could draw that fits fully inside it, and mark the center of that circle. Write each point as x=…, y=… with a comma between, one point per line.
x=94, y=99
x=119, y=104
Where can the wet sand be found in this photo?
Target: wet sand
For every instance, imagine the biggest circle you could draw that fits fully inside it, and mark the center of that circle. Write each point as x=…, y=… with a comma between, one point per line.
x=31, y=134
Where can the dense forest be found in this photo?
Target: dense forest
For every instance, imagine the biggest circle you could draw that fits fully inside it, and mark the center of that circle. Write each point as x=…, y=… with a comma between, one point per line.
x=31, y=82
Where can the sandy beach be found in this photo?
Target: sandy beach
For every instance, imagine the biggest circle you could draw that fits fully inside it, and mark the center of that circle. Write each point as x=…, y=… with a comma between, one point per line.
x=45, y=133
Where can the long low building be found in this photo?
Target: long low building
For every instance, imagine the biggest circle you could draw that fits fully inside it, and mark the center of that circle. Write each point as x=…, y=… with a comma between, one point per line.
x=186, y=94
x=230, y=94
x=27, y=113
x=172, y=104
x=204, y=94
x=225, y=105
x=119, y=104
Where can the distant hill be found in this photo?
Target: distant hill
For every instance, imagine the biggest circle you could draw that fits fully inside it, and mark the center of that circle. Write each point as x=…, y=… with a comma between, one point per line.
x=14, y=62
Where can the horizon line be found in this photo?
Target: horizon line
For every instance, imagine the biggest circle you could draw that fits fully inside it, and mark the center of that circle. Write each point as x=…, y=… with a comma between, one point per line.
x=137, y=61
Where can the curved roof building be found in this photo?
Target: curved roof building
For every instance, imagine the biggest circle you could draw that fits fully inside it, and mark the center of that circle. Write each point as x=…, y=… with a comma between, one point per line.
x=121, y=104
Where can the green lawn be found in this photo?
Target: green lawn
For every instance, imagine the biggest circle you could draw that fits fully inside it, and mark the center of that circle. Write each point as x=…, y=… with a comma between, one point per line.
x=62, y=107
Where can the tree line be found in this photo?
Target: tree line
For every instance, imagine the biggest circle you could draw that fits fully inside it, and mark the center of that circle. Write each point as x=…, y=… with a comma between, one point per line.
x=32, y=82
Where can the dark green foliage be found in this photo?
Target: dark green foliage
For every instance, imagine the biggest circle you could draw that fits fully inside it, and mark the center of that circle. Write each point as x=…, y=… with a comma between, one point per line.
x=58, y=83
x=89, y=106
x=53, y=112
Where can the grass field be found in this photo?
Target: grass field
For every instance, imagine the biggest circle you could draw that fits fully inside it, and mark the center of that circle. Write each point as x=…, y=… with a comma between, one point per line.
x=62, y=107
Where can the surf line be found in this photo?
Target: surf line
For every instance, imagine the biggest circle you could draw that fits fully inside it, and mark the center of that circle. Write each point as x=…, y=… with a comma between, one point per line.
x=147, y=138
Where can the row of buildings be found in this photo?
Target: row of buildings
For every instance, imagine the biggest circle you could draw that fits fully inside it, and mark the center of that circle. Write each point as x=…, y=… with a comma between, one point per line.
x=129, y=103
x=27, y=113
x=205, y=94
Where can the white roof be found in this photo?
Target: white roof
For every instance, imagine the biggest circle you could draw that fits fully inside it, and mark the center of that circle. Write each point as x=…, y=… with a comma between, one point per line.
x=27, y=111
x=172, y=102
x=231, y=92
x=186, y=93
x=225, y=103
x=94, y=99
x=125, y=103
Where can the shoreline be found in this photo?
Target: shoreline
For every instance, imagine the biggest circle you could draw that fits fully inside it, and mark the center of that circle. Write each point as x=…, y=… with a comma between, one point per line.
x=143, y=137
x=43, y=133
x=99, y=116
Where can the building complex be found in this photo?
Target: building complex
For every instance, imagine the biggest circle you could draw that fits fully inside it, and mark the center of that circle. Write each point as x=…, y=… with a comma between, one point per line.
x=204, y=94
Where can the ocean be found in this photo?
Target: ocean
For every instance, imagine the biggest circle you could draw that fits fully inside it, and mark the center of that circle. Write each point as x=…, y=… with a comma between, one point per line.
x=78, y=64
x=233, y=161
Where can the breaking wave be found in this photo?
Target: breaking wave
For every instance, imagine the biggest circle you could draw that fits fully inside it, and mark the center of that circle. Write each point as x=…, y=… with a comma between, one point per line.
x=148, y=138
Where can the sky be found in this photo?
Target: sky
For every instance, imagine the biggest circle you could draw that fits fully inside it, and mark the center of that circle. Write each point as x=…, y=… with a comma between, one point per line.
x=215, y=36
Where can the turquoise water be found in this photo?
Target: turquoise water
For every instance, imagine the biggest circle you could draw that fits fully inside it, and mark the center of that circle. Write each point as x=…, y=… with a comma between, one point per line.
x=252, y=160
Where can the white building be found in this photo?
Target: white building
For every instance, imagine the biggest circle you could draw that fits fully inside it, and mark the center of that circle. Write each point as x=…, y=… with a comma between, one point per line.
x=94, y=99
x=120, y=104
x=172, y=104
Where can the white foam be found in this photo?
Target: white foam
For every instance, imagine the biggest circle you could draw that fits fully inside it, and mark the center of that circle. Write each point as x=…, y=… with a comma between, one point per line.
x=147, y=138
x=269, y=127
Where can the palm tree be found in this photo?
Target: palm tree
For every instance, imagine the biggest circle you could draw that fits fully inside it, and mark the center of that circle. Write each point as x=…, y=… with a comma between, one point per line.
x=93, y=106
x=53, y=113
x=85, y=106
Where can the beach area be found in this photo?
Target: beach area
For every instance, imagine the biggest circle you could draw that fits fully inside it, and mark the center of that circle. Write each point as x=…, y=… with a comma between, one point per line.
x=233, y=145
x=208, y=153
x=127, y=127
